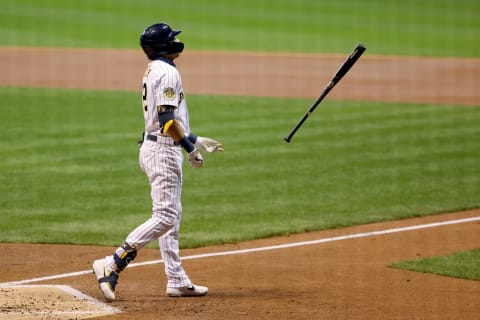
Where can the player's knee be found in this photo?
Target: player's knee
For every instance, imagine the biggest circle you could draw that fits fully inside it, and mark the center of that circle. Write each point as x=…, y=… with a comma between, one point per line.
x=165, y=217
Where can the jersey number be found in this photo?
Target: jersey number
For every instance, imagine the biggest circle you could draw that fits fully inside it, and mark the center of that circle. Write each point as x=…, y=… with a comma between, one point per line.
x=144, y=97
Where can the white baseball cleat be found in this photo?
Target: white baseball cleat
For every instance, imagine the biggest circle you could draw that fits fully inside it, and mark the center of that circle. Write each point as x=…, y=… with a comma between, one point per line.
x=189, y=291
x=107, y=279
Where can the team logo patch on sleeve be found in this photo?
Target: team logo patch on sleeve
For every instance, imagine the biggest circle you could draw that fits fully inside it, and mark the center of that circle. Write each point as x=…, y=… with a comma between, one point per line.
x=169, y=93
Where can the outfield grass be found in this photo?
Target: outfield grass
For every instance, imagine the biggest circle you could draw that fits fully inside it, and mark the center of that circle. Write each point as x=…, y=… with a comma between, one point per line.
x=429, y=27
x=69, y=171
x=459, y=265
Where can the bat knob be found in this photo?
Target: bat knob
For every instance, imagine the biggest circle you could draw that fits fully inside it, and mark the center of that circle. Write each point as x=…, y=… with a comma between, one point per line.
x=287, y=139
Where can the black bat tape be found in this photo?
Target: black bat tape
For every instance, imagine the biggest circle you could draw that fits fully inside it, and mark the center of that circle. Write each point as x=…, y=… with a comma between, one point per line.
x=347, y=64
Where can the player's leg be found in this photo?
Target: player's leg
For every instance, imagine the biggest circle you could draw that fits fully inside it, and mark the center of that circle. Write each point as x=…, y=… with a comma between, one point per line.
x=108, y=269
x=165, y=185
x=169, y=249
x=178, y=284
x=164, y=192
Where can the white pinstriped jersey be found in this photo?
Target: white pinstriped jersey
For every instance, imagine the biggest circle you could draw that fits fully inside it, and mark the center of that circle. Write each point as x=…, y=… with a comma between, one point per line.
x=161, y=159
x=162, y=85
x=162, y=164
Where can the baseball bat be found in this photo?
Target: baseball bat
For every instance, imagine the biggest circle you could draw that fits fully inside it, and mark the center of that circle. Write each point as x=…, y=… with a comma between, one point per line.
x=347, y=64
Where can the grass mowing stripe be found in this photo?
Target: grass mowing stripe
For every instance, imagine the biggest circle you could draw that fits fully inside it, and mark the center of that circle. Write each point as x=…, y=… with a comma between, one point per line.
x=75, y=178
x=429, y=27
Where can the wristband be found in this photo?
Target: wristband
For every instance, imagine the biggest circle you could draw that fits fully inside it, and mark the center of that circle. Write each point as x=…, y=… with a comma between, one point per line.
x=192, y=138
x=186, y=144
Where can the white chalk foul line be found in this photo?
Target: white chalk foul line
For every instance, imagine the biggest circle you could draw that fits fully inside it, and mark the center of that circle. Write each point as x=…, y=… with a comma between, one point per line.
x=259, y=249
x=79, y=295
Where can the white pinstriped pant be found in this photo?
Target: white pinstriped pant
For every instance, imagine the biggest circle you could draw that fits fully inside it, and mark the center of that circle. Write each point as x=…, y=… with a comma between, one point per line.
x=162, y=163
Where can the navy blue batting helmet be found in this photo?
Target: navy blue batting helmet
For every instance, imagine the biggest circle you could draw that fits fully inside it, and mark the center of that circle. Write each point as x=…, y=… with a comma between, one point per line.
x=159, y=39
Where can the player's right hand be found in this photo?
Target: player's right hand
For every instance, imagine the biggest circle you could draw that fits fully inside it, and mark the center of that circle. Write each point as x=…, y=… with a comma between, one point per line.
x=208, y=145
x=195, y=159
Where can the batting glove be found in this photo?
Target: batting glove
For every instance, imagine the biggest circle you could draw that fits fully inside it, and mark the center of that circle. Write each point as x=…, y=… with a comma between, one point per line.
x=208, y=145
x=195, y=159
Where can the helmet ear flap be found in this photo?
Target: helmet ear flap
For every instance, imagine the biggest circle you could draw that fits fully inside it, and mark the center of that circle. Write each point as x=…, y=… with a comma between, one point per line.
x=175, y=47
x=150, y=52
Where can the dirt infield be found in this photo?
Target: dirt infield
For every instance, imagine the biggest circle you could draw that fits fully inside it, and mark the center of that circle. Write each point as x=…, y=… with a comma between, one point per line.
x=374, y=78
x=341, y=278
x=49, y=302
x=337, y=278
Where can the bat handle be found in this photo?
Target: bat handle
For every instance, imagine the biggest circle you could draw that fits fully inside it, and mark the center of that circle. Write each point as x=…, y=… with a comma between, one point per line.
x=290, y=135
x=308, y=113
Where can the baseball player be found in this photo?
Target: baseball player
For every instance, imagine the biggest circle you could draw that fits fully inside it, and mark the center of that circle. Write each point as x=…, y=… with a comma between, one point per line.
x=167, y=132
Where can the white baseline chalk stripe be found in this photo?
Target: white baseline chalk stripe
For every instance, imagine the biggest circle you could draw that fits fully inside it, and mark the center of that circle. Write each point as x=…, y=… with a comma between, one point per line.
x=54, y=313
x=79, y=295
x=259, y=249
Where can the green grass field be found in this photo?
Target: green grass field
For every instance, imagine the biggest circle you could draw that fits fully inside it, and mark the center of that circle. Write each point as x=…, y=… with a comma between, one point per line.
x=429, y=27
x=459, y=265
x=70, y=173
